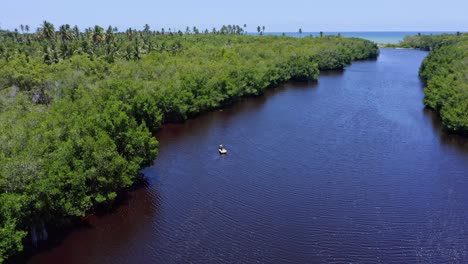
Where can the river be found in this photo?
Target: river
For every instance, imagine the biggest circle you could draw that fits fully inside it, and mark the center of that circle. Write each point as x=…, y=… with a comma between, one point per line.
x=349, y=169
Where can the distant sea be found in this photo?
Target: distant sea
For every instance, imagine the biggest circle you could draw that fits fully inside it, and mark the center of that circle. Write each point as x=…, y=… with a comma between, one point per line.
x=378, y=37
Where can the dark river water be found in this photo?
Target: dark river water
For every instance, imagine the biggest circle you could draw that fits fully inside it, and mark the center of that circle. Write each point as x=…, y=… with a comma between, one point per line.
x=351, y=169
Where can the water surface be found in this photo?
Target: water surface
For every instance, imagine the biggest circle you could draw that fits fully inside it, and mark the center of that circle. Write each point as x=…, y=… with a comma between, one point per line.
x=350, y=169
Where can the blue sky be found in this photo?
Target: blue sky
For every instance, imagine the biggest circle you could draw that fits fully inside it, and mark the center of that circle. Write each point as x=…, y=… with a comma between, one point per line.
x=276, y=16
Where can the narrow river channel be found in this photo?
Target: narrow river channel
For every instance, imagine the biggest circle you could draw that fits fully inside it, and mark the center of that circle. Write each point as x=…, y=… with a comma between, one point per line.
x=350, y=169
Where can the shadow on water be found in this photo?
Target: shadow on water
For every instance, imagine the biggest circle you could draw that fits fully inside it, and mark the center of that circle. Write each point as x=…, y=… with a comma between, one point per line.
x=56, y=237
x=205, y=121
x=133, y=201
x=268, y=93
x=332, y=72
x=457, y=142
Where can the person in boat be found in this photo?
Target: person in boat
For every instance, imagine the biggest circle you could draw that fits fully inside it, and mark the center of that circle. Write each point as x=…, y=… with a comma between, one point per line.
x=221, y=149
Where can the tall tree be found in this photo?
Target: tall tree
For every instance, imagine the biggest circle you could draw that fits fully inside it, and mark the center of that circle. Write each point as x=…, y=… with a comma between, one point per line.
x=146, y=29
x=109, y=35
x=98, y=35
x=223, y=29
x=66, y=33
x=129, y=33
x=76, y=32
x=48, y=31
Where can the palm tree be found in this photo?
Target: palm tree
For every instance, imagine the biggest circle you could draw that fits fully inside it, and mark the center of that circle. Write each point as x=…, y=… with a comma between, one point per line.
x=259, y=30
x=137, y=50
x=22, y=28
x=76, y=32
x=146, y=28
x=239, y=30
x=109, y=35
x=48, y=30
x=263, y=29
x=223, y=30
x=51, y=54
x=26, y=28
x=129, y=34
x=300, y=31
x=98, y=35
x=66, y=33
x=321, y=34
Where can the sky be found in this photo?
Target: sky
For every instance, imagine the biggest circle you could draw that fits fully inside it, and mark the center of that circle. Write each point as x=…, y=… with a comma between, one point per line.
x=276, y=16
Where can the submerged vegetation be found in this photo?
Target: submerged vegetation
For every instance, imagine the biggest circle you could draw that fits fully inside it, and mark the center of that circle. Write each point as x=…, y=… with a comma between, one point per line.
x=445, y=71
x=78, y=109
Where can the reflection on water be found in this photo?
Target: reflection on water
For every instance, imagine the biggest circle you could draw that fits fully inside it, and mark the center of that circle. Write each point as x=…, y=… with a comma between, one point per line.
x=112, y=232
x=457, y=142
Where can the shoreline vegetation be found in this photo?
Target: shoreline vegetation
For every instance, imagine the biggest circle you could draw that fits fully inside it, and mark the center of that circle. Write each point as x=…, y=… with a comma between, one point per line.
x=78, y=108
x=445, y=73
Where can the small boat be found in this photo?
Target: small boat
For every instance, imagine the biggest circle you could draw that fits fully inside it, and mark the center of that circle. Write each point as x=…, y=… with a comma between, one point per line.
x=222, y=150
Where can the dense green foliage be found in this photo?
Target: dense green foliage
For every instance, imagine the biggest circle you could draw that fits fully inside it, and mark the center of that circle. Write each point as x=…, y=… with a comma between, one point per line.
x=446, y=72
x=429, y=42
x=77, y=110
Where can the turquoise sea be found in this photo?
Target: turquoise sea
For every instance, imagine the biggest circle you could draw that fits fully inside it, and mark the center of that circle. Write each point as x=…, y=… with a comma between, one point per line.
x=378, y=37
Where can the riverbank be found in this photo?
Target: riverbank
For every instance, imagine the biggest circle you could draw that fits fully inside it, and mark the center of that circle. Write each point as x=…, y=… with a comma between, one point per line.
x=84, y=108
x=393, y=46
x=444, y=71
